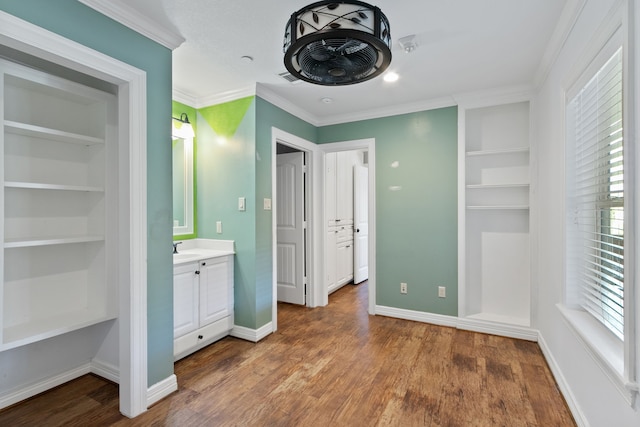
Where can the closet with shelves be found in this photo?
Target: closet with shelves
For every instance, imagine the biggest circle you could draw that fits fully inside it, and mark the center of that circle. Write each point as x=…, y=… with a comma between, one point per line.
x=494, y=211
x=58, y=264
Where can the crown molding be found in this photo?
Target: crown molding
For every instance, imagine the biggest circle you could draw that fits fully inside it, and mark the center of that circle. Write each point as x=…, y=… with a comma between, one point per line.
x=286, y=105
x=494, y=96
x=392, y=110
x=228, y=96
x=566, y=22
x=132, y=18
x=184, y=97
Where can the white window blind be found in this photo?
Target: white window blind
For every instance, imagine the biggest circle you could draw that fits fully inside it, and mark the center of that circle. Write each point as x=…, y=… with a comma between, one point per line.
x=597, y=193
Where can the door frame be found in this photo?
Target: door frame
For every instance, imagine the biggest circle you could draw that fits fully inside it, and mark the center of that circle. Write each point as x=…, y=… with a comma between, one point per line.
x=279, y=136
x=369, y=145
x=132, y=234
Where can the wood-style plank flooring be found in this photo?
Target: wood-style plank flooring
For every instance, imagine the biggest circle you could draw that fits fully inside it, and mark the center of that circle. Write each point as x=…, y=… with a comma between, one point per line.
x=332, y=366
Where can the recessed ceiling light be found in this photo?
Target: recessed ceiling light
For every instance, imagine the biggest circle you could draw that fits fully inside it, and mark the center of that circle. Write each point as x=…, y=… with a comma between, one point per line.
x=391, y=77
x=327, y=100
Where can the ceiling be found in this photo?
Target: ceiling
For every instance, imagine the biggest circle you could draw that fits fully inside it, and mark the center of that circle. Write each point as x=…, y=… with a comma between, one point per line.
x=463, y=46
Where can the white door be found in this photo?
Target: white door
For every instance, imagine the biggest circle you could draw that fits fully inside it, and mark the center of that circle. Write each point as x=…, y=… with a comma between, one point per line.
x=360, y=224
x=290, y=225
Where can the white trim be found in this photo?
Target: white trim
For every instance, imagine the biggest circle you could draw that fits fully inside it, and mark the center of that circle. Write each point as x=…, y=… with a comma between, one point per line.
x=43, y=385
x=21, y=35
x=228, y=96
x=568, y=18
x=105, y=370
x=314, y=187
x=184, y=97
x=368, y=144
x=494, y=97
x=496, y=328
x=162, y=389
x=130, y=17
x=563, y=384
x=253, y=335
x=492, y=328
x=417, y=316
x=286, y=105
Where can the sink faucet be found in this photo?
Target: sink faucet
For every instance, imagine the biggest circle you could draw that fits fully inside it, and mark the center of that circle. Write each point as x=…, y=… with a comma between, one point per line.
x=175, y=247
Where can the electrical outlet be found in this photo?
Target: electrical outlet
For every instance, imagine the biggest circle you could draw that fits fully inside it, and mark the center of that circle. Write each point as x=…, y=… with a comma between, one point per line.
x=442, y=292
x=403, y=288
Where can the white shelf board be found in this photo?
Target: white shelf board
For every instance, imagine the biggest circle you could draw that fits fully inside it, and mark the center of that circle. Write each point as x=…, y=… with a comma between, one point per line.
x=26, y=129
x=45, y=241
x=489, y=186
x=494, y=317
x=494, y=152
x=48, y=327
x=499, y=207
x=43, y=186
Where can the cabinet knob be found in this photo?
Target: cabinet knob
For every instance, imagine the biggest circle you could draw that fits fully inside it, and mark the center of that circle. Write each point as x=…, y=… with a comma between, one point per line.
x=200, y=337
x=204, y=263
x=197, y=271
x=357, y=230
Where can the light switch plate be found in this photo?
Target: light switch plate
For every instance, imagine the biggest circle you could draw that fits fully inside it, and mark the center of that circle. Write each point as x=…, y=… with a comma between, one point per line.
x=267, y=204
x=219, y=227
x=241, y=203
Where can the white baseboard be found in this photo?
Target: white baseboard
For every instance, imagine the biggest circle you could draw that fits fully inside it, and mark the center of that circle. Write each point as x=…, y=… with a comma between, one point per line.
x=496, y=328
x=162, y=389
x=417, y=316
x=475, y=325
x=105, y=370
x=16, y=396
x=253, y=335
x=577, y=413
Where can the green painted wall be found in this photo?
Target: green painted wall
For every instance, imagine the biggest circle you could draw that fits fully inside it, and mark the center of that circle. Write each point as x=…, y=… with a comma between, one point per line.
x=177, y=109
x=226, y=171
x=416, y=206
x=77, y=22
x=268, y=116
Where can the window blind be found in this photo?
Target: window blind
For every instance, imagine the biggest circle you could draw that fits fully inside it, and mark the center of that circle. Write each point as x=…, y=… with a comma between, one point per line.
x=598, y=185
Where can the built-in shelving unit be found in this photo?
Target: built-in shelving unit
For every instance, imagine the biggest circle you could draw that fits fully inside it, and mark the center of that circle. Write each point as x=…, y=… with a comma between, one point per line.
x=495, y=289
x=56, y=269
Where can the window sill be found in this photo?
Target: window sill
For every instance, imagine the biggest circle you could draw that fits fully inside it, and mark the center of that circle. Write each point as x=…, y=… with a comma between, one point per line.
x=605, y=348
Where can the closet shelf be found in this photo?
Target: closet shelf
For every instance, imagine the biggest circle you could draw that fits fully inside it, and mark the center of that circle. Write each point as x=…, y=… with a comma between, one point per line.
x=501, y=151
x=46, y=241
x=39, y=329
x=43, y=186
x=26, y=129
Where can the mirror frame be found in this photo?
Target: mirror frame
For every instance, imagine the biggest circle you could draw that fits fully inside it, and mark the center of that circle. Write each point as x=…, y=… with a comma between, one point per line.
x=188, y=229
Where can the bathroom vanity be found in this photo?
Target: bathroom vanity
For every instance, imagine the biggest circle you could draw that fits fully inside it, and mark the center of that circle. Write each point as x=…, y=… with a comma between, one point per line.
x=202, y=294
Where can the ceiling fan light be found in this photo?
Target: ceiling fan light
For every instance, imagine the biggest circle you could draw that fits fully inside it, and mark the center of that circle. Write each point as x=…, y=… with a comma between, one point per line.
x=337, y=43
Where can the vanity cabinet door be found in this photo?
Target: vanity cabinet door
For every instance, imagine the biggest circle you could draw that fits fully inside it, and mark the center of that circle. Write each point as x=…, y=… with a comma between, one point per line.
x=216, y=289
x=185, y=299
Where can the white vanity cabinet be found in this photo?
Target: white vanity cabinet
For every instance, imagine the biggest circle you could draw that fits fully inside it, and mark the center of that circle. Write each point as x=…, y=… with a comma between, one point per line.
x=203, y=303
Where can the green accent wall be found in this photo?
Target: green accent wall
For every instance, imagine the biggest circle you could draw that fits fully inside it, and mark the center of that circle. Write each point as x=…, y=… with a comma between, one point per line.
x=226, y=171
x=225, y=118
x=77, y=22
x=177, y=108
x=416, y=206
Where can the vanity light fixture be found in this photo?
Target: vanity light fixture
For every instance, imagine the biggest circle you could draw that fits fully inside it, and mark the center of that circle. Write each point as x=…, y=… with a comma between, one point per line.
x=181, y=127
x=335, y=43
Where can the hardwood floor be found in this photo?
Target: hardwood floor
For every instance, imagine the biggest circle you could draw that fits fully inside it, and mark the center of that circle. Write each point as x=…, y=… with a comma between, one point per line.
x=332, y=366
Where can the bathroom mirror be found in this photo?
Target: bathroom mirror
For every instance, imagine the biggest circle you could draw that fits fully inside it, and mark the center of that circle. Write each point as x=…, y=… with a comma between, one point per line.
x=182, y=186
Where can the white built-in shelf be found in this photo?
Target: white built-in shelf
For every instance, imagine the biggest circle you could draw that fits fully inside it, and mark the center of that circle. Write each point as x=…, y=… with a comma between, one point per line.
x=43, y=186
x=26, y=129
x=52, y=326
x=501, y=151
x=490, y=186
x=498, y=207
x=46, y=241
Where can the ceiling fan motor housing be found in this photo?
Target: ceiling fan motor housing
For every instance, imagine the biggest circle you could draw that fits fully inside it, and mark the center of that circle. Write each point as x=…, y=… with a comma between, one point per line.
x=337, y=43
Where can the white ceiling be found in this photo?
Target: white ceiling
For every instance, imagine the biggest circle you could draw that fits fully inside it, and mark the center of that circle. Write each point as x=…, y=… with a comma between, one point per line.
x=463, y=46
